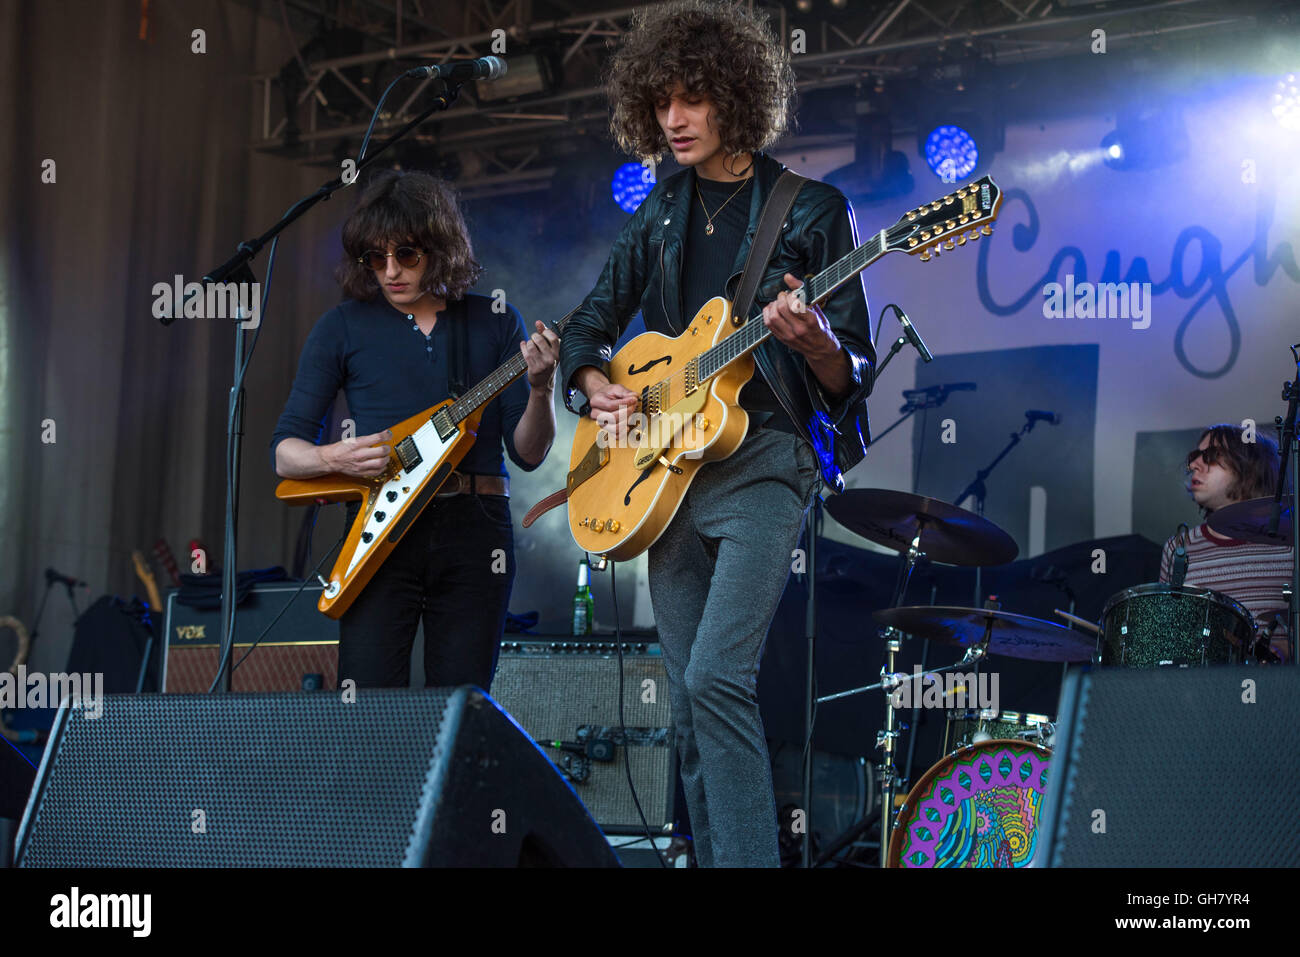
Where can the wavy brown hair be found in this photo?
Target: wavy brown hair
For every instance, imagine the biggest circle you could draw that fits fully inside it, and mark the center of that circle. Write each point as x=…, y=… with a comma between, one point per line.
x=717, y=50
x=1254, y=465
x=414, y=209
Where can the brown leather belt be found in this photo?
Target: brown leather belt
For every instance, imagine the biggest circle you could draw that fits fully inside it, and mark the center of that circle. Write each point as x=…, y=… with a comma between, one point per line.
x=459, y=483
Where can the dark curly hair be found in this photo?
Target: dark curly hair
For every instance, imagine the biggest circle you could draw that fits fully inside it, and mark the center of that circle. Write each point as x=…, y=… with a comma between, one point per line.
x=1254, y=465
x=408, y=208
x=717, y=50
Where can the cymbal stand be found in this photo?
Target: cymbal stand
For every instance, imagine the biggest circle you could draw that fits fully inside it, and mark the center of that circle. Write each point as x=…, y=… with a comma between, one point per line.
x=889, y=683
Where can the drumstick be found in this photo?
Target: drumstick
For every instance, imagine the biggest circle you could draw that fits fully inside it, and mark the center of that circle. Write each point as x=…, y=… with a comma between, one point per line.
x=1078, y=621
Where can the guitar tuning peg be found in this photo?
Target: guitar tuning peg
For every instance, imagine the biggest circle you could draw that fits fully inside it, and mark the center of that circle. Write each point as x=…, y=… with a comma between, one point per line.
x=948, y=244
x=925, y=256
x=986, y=229
x=974, y=235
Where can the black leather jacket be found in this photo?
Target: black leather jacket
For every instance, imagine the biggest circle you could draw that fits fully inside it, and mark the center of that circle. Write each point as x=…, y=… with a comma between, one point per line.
x=644, y=271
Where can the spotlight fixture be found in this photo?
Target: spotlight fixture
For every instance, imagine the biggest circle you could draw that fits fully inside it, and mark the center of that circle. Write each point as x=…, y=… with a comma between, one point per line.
x=951, y=153
x=631, y=184
x=1145, y=138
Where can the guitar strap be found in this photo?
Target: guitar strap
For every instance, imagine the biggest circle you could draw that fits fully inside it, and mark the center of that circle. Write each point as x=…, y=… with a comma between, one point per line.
x=769, y=228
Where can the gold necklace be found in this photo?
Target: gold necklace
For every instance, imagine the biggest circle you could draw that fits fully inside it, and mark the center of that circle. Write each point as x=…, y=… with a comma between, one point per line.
x=708, y=230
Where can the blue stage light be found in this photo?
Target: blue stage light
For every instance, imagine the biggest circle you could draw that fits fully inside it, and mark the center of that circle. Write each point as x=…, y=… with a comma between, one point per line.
x=631, y=184
x=1286, y=102
x=951, y=153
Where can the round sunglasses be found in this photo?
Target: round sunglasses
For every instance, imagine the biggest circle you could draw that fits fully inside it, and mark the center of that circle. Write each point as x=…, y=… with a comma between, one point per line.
x=408, y=257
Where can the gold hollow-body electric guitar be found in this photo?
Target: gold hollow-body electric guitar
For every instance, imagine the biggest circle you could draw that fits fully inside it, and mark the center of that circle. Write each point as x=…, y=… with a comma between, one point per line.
x=622, y=494
x=427, y=447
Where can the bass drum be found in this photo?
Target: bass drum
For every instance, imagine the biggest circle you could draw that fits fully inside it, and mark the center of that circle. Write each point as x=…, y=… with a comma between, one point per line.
x=1161, y=625
x=978, y=807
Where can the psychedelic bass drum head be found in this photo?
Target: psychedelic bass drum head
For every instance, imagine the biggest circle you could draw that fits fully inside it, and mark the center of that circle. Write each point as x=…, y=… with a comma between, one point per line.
x=978, y=807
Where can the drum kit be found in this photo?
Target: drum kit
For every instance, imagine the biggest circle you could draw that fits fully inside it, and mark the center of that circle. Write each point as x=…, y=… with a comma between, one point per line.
x=979, y=805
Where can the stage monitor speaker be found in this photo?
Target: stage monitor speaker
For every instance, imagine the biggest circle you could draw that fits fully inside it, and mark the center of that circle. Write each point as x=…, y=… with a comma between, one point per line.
x=566, y=690
x=299, y=653
x=396, y=778
x=1174, y=767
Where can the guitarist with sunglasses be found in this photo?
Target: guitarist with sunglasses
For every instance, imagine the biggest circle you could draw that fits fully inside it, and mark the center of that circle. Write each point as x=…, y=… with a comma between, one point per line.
x=710, y=83
x=392, y=346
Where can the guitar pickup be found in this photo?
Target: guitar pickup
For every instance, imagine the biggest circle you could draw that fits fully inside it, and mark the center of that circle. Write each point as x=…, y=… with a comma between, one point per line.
x=407, y=453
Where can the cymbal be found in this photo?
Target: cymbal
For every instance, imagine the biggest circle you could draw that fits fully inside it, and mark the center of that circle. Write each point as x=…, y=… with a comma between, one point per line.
x=949, y=535
x=1016, y=636
x=1248, y=522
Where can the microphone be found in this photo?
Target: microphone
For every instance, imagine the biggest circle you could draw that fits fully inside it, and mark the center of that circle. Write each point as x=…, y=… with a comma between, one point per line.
x=1037, y=415
x=942, y=389
x=912, y=335
x=51, y=576
x=484, y=68
x=1180, y=557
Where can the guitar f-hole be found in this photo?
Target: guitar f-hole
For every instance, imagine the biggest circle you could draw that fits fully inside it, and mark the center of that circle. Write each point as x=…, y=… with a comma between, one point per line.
x=633, y=370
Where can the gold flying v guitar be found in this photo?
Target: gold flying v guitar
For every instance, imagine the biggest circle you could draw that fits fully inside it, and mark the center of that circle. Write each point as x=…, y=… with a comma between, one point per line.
x=622, y=494
x=427, y=447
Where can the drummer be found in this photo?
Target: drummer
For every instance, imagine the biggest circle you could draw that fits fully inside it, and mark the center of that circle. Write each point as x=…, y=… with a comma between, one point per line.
x=1223, y=470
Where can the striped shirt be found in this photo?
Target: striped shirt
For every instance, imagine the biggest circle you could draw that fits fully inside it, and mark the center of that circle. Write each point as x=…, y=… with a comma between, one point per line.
x=1250, y=573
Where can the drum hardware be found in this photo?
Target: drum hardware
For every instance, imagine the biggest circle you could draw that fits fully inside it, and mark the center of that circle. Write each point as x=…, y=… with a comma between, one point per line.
x=917, y=528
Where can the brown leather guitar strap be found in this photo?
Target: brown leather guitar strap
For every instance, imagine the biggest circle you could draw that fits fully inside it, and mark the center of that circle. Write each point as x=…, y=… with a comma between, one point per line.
x=760, y=253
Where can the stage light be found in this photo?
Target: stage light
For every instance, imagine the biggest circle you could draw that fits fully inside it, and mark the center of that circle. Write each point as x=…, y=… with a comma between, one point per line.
x=631, y=184
x=1145, y=138
x=1286, y=103
x=803, y=6
x=951, y=153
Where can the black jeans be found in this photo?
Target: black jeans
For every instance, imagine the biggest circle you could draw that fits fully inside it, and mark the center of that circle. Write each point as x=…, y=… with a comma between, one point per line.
x=454, y=568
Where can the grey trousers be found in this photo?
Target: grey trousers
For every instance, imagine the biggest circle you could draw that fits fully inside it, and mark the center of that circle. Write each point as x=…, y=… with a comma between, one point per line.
x=716, y=578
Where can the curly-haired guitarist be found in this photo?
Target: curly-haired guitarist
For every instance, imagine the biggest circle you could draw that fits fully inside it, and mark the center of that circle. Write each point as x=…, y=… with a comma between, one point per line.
x=710, y=83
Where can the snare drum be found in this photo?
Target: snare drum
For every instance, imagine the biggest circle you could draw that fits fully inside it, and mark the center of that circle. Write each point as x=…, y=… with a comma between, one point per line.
x=978, y=807
x=1156, y=625
x=965, y=728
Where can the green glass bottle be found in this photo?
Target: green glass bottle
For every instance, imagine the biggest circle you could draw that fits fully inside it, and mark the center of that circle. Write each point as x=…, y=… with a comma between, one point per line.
x=584, y=607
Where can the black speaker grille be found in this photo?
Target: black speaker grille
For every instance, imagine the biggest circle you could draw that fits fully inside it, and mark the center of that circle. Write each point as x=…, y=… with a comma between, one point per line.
x=280, y=779
x=1185, y=771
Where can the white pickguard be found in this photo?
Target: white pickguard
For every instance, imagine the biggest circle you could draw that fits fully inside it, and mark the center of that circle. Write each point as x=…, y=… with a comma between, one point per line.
x=396, y=494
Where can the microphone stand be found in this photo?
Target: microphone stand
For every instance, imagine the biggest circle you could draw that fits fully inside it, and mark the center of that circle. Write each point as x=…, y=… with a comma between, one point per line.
x=1290, y=449
x=978, y=489
x=237, y=266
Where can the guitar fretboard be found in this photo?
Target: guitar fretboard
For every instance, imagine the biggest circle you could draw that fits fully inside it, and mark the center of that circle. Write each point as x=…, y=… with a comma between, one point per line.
x=494, y=384
x=752, y=333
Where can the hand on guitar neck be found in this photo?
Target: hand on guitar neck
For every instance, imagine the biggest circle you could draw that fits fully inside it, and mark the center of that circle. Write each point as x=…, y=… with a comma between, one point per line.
x=610, y=404
x=361, y=457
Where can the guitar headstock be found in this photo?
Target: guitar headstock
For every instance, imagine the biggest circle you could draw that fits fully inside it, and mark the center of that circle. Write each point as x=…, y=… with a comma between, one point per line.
x=962, y=216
